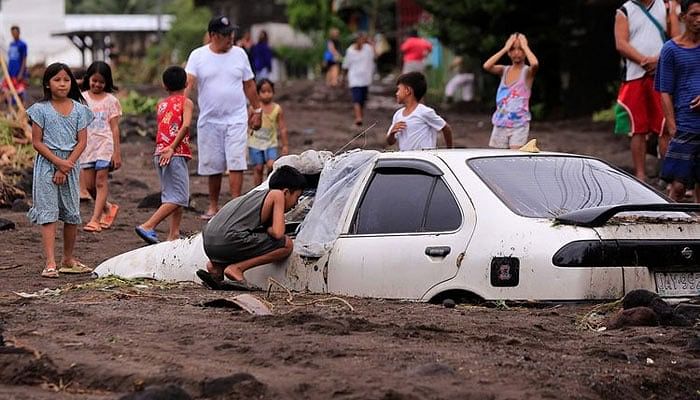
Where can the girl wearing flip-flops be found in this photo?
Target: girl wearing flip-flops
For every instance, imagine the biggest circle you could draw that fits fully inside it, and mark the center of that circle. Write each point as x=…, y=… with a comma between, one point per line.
x=102, y=153
x=59, y=135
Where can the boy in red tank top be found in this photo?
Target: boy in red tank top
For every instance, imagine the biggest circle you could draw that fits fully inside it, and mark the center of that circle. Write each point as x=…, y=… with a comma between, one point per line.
x=174, y=115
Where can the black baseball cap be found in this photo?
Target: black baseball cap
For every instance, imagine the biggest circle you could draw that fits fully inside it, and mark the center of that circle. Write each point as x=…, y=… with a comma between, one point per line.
x=221, y=25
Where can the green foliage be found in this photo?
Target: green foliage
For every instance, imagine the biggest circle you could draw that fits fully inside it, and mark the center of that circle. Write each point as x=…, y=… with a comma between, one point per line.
x=311, y=15
x=469, y=26
x=605, y=115
x=187, y=31
x=299, y=58
x=136, y=104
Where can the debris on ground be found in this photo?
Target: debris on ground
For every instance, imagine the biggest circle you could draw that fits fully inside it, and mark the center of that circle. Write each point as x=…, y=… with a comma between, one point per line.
x=639, y=307
x=246, y=302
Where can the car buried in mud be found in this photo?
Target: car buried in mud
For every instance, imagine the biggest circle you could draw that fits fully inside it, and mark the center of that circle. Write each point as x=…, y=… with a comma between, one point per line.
x=468, y=223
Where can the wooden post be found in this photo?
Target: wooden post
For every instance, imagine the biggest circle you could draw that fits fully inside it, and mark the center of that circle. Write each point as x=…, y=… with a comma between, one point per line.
x=22, y=112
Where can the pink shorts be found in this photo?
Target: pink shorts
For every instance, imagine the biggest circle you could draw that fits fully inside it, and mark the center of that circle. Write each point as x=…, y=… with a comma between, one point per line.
x=643, y=104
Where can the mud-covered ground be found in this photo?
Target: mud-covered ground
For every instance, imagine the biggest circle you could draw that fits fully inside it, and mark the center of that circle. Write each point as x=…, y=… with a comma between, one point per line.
x=89, y=341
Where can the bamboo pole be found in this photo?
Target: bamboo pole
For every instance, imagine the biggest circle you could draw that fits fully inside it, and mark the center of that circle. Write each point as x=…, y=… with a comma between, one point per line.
x=22, y=112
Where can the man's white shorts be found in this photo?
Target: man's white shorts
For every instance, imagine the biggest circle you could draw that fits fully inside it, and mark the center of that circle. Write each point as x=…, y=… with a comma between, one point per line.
x=504, y=138
x=221, y=147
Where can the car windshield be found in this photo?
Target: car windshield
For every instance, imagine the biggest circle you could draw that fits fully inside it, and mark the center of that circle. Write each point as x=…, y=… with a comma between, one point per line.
x=548, y=186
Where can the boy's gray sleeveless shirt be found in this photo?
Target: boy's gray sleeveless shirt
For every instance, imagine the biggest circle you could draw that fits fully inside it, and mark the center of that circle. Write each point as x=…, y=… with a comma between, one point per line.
x=239, y=217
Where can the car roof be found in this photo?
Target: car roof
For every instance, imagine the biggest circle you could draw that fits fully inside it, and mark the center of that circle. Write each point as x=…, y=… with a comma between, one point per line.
x=460, y=155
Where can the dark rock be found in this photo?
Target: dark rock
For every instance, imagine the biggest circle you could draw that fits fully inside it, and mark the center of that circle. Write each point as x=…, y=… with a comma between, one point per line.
x=167, y=392
x=150, y=201
x=238, y=385
x=689, y=311
x=664, y=311
x=6, y=224
x=638, y=298
x=638, y=316
x=20, y=205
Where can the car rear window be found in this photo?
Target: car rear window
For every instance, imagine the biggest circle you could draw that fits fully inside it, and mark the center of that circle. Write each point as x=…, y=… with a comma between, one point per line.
x=547, y=186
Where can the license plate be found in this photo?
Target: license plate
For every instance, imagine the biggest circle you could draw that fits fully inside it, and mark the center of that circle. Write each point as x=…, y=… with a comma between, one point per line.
x=677, y=283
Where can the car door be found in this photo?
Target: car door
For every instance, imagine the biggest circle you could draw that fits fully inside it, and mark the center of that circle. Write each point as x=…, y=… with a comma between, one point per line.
x=408, y=232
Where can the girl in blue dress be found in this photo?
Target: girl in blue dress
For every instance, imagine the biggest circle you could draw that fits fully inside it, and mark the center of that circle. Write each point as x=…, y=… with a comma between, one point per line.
x=59, y=135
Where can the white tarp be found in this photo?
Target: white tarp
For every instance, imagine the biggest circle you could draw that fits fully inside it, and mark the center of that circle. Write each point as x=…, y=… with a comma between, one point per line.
x=321, y=226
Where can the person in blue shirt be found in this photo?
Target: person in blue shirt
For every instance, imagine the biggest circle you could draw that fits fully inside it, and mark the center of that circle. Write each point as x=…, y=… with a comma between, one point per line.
x=678, y=80
x=261, y=54
x=16, y=65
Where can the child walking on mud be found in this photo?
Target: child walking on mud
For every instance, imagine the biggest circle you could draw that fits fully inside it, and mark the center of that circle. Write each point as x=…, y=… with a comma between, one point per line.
x=59, y=135
x=102, y=153
x=262, y=143
x=415, y=126
x=511, y=121
x=174, y=115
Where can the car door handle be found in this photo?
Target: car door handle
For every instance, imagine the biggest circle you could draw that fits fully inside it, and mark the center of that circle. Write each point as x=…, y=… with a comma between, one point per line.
x=437, y=251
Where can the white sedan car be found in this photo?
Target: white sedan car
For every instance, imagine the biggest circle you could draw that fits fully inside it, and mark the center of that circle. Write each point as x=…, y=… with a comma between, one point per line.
x=469, y=223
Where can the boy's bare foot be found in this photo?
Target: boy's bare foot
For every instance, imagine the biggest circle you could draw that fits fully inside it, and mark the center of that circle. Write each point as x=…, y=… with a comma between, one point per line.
x=234, y=273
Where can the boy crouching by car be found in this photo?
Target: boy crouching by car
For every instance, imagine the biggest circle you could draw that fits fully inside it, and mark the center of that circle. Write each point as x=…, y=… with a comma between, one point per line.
x=249, y=230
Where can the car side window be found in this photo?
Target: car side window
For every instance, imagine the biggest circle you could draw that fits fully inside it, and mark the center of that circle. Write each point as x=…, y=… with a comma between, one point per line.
x=443, y=212
x=401, y=200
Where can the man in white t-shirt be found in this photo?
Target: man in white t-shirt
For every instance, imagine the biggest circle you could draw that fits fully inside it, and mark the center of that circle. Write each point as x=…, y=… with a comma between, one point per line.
x=415, y=126
x=359, y=61
x=224, y=79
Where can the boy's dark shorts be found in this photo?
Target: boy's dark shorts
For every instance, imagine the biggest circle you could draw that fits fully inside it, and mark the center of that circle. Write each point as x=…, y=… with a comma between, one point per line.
x=682, y=161
x=359, y=94
x=241, y=247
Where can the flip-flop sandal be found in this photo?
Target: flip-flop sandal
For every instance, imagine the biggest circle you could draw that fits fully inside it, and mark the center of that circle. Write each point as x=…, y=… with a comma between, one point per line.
x=92, y=227
x=239, y=286
x=49, y=272
x=150, y=237
x=107, y=220
x=76, y=268
x=208, y=280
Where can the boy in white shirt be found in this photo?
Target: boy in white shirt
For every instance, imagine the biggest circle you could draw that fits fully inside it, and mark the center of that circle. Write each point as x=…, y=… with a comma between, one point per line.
x=415, y=126
x=359, y=61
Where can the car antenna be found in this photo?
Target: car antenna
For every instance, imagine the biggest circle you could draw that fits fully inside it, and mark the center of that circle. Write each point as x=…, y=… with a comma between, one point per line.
x=355, y=138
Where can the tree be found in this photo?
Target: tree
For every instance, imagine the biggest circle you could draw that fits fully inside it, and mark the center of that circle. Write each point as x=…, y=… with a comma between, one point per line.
x=310, y=15
x=187, y=30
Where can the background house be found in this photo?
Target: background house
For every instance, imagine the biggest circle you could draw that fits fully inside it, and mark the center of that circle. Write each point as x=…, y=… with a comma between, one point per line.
x=77, y=40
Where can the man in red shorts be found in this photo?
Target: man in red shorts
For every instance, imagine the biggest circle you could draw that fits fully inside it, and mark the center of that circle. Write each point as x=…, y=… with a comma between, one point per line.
x=641, y=28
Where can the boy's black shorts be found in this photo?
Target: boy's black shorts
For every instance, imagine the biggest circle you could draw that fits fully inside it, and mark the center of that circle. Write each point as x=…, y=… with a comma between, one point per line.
x=240, y=247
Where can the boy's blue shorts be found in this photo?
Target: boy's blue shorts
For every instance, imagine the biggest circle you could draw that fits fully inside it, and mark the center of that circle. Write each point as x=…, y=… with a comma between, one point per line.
x=97, y=165
x=682, y=161
x=260, y=157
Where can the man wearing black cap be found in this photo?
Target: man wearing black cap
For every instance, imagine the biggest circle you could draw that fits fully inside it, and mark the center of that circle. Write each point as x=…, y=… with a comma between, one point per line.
x=225, y=79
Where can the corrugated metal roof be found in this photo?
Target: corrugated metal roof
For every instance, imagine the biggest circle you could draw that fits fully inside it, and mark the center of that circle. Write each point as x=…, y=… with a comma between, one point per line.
x=115, y=23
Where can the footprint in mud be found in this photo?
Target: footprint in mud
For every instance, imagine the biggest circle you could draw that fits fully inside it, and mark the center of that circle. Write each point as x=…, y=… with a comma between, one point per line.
x=240, y=385
x=169, y=392
x=19, y=366
x=427, y=332
x=314, y=323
